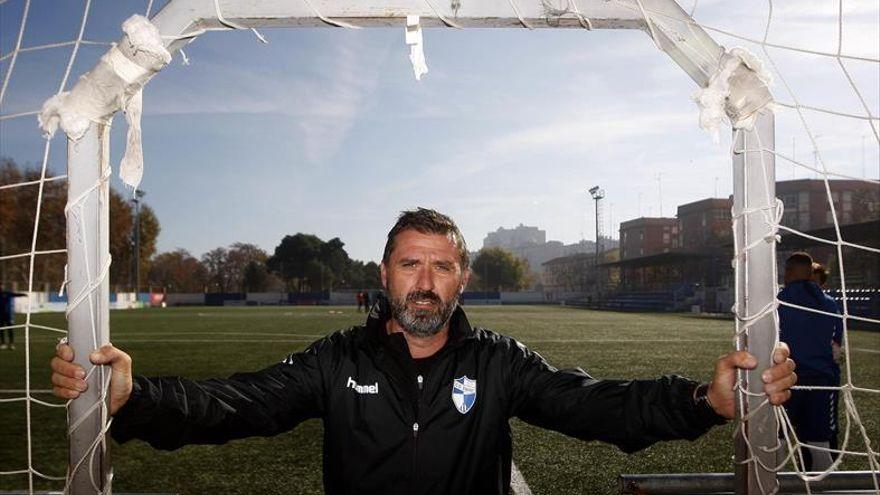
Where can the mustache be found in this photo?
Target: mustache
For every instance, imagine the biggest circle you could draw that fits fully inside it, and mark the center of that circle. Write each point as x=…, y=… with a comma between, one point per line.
x=423, y=294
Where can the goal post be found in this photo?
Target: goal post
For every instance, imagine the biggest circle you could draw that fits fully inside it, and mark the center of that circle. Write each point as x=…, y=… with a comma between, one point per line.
x=754, y=208
x=88, y=312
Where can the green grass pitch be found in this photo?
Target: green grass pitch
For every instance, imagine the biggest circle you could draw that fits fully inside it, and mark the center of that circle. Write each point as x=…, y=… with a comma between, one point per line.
x=210, y=342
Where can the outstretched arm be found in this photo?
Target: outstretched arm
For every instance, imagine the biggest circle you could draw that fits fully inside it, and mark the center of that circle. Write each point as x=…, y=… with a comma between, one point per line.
x=630, y=414
x=170, y=412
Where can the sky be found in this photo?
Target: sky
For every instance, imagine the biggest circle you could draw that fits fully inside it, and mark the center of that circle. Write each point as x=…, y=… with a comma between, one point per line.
x=326, y=131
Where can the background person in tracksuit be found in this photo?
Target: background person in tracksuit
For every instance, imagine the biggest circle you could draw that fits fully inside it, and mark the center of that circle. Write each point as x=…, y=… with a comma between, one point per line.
x=820, y=276
x=416, y=401
x=7, y=318
x=810, y=337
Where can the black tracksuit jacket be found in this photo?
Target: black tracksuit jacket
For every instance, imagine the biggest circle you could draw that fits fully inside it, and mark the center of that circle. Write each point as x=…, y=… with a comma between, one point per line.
x=388, y=432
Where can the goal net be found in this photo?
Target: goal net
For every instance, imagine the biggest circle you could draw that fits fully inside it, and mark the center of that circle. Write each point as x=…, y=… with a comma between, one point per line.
x=806, y=175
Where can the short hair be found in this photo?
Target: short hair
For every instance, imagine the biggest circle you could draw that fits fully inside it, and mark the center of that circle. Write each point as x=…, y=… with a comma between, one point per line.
x=800, y=259
x=820, y=274
x=427, y=221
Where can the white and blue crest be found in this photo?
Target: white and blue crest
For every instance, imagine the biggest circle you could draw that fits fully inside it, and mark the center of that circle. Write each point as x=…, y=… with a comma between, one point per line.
x=464, y=394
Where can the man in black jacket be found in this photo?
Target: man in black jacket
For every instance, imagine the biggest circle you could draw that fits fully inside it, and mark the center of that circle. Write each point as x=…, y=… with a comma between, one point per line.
x=416, y=401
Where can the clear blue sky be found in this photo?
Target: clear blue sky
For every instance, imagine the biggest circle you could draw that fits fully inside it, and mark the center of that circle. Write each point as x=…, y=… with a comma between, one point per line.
x=326, y=131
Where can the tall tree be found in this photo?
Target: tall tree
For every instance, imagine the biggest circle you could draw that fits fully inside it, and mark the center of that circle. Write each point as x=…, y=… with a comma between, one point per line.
x=17, y=212
x=294, y=259
x=18, y=208
x=121, y=249
x=178, y=271
x=215, y=263
x=256, y=277
x=149, y=235
x=499, y=269
x=307, y=263
x=240, y=257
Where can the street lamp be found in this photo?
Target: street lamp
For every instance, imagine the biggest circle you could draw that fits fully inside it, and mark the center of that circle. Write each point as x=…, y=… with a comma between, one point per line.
x=138, y=194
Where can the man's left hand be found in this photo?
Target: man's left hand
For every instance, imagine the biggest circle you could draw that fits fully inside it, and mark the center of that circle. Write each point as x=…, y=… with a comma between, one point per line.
x=778, y=379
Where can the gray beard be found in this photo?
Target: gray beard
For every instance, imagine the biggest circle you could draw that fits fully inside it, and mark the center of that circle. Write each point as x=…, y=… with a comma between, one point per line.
x=422, y=323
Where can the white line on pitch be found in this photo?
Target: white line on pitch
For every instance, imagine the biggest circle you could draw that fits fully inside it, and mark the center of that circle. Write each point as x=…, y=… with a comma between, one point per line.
x=208, y=341
x=517, y=482
x=288, y=334
x=16, y=391
x=613, y=341
x=872, y=351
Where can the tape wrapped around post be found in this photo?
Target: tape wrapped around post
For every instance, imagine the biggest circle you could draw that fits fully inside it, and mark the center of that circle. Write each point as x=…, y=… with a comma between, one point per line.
x=116, y=83
x=737, y=91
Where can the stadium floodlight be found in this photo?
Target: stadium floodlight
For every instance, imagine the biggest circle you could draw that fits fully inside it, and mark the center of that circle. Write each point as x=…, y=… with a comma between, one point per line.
x=597, y=194
x=138, y=194
x=733, y=84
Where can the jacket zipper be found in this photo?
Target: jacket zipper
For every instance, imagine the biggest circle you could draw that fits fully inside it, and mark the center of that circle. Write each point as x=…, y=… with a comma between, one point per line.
x=415, y=429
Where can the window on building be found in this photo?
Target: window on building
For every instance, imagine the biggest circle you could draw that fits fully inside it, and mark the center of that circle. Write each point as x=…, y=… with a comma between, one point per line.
x=803, y=203
x=803, y=221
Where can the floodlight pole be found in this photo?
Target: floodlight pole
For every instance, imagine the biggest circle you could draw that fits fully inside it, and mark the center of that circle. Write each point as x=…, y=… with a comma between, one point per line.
x=754, y=193
x=88, y=250
x=138, y=194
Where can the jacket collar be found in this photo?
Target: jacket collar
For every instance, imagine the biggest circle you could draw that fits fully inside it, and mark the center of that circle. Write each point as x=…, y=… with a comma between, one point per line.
x=460, y=330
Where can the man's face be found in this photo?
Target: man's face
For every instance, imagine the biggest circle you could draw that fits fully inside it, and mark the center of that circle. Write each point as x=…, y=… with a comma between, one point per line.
x=423, y=277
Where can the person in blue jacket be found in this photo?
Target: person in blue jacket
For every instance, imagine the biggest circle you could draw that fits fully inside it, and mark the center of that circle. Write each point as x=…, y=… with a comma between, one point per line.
x=809, y=335
x=820, y=276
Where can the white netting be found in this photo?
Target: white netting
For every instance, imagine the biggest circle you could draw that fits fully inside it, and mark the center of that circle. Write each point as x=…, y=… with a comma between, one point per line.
x=859, y=120
x=791, y=450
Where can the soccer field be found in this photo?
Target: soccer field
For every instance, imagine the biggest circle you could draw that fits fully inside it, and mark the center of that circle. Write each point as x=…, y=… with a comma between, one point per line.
x=210, y=342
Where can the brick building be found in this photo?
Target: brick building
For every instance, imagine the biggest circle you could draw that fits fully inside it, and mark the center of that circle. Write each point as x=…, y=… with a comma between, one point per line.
x=806, y=203
x=646, y=236
x=857, y=205
x=686, y=255
x=705, y=224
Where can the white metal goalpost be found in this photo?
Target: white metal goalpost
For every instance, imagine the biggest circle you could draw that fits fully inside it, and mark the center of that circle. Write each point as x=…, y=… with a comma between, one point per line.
x=733, y=86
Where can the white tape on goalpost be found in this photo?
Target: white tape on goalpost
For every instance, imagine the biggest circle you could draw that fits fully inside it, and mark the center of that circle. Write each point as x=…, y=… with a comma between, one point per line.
x=735, y=90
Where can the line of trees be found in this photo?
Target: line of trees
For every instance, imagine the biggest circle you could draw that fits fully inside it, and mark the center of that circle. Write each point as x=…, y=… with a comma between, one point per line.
x=299, y=263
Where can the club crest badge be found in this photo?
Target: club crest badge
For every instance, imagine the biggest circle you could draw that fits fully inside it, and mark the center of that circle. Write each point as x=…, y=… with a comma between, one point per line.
x=464, y=394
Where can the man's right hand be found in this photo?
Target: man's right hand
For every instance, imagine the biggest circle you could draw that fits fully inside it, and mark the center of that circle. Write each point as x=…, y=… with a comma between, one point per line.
x=68, y=377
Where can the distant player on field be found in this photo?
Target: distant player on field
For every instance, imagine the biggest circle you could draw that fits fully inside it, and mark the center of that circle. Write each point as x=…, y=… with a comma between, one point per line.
x=417, y=400
x=7, y=318
x=809, y=335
